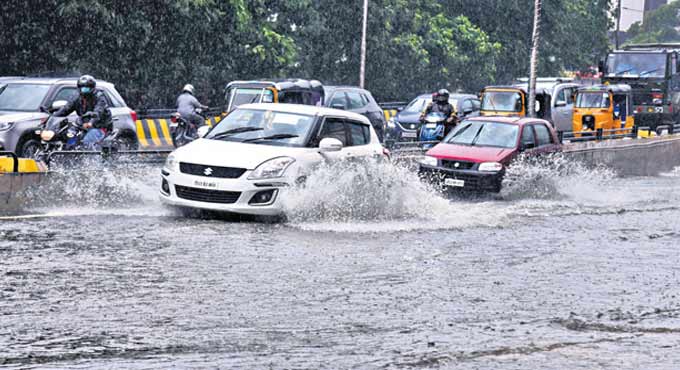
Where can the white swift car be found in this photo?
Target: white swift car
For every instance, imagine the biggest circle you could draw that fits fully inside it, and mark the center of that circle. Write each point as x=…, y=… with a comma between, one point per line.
x=242, y=164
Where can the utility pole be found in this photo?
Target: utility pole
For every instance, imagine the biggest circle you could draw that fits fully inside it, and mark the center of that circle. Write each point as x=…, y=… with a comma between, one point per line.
x=534, y=59
x=618, y=24
x=362, y=71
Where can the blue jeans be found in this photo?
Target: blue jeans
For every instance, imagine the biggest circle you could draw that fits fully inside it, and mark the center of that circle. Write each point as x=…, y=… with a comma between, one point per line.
x=93, y=136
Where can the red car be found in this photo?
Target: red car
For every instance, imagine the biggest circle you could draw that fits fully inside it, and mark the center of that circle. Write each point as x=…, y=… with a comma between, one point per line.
x=475, y=154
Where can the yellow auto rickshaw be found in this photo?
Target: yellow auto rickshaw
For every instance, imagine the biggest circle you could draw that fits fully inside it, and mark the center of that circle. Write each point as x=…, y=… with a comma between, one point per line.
x=294, y=91
x=512, y=101
x=604, y=107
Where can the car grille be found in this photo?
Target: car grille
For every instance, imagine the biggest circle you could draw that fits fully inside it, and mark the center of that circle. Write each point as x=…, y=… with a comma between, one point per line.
x=207, y=196
x=211, y=171
x=461, y=165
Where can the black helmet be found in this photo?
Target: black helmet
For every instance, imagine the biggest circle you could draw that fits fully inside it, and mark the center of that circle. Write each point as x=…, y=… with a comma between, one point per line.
x=86, y=84
x=443, y=96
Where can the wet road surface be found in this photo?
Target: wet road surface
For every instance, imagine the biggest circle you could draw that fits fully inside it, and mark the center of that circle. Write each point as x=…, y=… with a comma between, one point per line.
x=575, y=280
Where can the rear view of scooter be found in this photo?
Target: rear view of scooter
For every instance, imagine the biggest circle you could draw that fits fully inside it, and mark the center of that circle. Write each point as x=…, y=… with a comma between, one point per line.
x=182, y=131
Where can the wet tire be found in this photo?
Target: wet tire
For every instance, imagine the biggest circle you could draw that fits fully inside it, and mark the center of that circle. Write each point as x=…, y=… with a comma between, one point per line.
x=30, y=149
x=127, y=142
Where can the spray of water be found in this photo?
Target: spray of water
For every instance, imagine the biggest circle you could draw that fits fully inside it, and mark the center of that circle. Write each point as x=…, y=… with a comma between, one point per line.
x=377, y=196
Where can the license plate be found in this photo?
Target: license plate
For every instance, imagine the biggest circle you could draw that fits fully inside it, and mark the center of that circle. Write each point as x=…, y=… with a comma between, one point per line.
x=411, y=135
x=454, y=183
x=206, y=184
x=431, y=125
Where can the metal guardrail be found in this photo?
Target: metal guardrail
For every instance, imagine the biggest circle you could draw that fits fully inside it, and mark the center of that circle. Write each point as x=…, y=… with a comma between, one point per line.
x=635, y=132
x=392, y=105
x=167, y=113
x=104, y=153
x=15, y=166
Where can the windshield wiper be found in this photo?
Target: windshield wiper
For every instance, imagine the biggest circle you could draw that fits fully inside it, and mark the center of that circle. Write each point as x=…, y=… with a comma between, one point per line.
x=271, y=137
x=648, y=72
x=474, y=140
x=235, y=131
x=622, y=72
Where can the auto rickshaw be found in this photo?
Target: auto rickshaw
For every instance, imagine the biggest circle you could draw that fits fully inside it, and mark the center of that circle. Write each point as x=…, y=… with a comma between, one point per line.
x=603, y=107
x=512, y=101
x=292, y=91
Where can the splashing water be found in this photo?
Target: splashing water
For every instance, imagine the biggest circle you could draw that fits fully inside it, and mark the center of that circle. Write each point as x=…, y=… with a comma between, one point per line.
x=377, y=196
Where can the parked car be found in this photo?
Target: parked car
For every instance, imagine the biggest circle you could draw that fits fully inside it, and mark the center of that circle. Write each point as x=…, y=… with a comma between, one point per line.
x=477, y=152
x=405, y=125
x=357, y=100
x=243, y=163
x=25, y=102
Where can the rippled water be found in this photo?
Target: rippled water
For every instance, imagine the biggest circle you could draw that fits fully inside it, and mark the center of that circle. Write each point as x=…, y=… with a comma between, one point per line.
x=372, y=270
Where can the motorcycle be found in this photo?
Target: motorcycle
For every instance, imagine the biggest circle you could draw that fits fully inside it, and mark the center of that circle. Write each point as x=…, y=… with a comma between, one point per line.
x=182, y=131
x=432, y=129
x=66, y=134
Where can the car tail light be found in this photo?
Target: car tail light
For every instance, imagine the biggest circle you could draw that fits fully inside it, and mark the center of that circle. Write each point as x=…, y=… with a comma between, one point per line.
x=639, y=109
x=173, y=119
x=670, y=109
x=657, y=95
x=133, y=114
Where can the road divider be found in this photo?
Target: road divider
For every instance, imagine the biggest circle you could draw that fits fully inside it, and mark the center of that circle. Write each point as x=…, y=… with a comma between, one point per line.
x=155, y=132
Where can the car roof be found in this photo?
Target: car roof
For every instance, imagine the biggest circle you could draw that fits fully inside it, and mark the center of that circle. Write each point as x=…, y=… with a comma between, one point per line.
x=620, y=88
x=311, y=110
x=47, y=80
x=509, y=120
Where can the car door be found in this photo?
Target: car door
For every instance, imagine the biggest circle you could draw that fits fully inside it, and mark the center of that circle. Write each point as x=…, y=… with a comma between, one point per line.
x=359, y=141
x=544, y=140
x=335, y=128
x=563, y=106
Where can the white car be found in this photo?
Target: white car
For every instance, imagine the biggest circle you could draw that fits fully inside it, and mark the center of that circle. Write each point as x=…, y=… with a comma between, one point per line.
x=243, y=164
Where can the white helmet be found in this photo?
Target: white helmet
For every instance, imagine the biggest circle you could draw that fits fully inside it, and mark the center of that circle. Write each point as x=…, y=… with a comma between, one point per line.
x=188, y=88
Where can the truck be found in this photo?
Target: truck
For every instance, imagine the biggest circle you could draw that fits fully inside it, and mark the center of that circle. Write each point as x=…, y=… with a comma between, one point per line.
x=652, y=72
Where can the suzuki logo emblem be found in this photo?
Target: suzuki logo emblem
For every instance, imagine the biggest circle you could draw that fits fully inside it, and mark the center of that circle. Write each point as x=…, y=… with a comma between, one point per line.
x=208, y=171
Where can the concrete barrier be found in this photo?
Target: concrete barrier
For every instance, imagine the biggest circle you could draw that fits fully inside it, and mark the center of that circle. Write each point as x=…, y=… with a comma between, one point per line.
x=641, y=157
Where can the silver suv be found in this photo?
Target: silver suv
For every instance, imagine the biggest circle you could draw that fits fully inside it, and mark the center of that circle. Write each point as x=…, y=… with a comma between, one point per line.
x=24, y=103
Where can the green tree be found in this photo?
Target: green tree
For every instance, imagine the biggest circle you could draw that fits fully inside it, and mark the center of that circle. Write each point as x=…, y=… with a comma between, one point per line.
x=660, y=25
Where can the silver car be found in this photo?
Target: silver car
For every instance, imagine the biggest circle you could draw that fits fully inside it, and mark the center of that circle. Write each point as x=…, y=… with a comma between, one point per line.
x=24, y=103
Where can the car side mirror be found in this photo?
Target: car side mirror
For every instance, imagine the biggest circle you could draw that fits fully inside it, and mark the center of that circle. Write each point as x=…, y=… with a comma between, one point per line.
x=560, y=103
x=338, y=106
x=330, y=144
x=58, y=105
x=400, y=109
x=203, y=130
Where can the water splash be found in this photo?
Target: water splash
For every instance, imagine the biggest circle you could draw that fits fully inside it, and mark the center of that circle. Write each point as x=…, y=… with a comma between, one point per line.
x=378, y=196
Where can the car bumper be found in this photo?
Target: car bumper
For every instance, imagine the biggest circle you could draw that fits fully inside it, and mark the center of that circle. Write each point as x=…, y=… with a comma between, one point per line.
x=221, y=195
x=472, y=180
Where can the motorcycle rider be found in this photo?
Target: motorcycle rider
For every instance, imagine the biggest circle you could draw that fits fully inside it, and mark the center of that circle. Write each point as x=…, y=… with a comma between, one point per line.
x=92, y=102
x=187, y=105
x=440, y=104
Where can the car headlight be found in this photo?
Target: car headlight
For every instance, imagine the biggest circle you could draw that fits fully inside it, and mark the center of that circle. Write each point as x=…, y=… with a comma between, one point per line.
x=171, y=163
x=271, y=169
x=429, y=161
x=4, y=126
x=490, y=167
x=391, y=123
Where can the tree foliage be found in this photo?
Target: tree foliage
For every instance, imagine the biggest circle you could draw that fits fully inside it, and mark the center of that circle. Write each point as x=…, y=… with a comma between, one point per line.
x=660, y=25
x=150, y=48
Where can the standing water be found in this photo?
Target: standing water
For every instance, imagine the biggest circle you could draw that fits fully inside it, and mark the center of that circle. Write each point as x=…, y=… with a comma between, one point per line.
x=565, y=268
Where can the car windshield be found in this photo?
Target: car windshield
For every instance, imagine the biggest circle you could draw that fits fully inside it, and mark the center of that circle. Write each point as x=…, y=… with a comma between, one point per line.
x=241, y=96
x=481, y=133
x=502, y=101
x=592, y=100
x=22, y=97
x=251, y=124
x=636, y=65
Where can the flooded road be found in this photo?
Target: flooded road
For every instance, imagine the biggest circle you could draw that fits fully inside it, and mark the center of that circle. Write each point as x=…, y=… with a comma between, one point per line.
x=577, y=270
